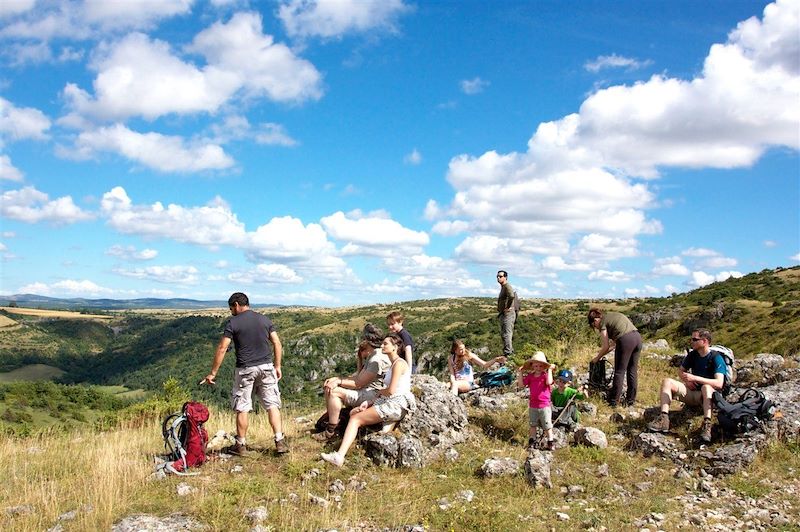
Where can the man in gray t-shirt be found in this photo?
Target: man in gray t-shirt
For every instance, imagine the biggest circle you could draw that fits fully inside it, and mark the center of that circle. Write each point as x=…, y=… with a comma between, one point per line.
x=351, y=391
x=258, y=367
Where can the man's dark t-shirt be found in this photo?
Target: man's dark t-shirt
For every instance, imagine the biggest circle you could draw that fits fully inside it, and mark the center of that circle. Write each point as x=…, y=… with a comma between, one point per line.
x=705, y=366
x=250, y=334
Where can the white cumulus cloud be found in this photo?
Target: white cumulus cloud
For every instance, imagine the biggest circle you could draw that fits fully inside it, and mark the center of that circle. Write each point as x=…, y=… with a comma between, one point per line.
x=17, y=123
x=163, y=274
x=334, y=18
x=140, y=76
x=373, y=235
x=31, y=206
x=266, y=273
x=164, y=153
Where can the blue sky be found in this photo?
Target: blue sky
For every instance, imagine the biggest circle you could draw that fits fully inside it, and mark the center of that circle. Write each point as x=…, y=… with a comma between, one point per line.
x=349, y=152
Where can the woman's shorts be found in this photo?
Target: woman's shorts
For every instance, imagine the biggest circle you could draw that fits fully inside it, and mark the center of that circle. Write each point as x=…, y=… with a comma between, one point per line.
x=265, y=381
x=391, y=409
x=541, y=417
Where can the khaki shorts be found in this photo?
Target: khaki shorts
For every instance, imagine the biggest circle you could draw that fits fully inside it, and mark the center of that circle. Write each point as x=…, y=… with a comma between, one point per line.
x=353, y=398
x=265, y=381
x=541, y=417
x=394, y=408
x=689, y=397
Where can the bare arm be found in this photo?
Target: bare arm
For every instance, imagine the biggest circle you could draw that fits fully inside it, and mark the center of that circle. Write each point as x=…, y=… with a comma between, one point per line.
x=219, y=356
x=696, y=381
x=277, y=349
x=408, y=356
x=605, y=345
x=479, y=361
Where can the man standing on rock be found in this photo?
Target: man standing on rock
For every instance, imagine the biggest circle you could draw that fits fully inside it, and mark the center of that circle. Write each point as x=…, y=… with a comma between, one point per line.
x=258, y=365
x=506, y=312
x=702, y=373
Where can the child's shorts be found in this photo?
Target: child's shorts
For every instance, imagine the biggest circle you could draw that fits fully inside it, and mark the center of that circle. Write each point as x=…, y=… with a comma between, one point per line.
x=541, y=417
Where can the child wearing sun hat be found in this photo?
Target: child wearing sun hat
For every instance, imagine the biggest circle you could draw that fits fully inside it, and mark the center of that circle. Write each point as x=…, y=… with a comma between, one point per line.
x=537, y=374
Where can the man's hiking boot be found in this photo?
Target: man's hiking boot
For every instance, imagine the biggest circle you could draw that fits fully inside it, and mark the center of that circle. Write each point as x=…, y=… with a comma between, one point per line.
x=551, y=445
x=326, y=435
x=660, y=424
x=705, y=430
x=281, y=447
x=237, y=449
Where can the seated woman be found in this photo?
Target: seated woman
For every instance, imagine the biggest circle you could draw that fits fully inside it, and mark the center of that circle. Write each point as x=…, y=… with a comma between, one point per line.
x=392, y=403
x=462, y=378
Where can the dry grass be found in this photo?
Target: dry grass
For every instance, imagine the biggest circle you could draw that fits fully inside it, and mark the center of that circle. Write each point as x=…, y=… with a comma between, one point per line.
x=63, y=314
x=109, y=473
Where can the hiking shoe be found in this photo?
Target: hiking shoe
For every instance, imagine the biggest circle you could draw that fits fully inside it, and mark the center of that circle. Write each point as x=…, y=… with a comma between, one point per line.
x=324, y=436
x=551, y=445
x=237, y=449
x=281, y=447
x=333, y=458
x=705, y=430
x=660, y=424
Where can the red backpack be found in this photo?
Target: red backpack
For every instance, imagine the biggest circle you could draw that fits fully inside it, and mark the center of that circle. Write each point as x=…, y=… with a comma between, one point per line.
x=185, y=438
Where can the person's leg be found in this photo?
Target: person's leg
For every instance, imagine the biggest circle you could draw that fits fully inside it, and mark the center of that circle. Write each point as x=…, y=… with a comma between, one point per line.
x=635, y=344
x=621, y=359
x=242, y=423
x=334, y=405
x=362, y=419
x=507, y=320
x=669, y=389
x=707, y=392
x=275, y=421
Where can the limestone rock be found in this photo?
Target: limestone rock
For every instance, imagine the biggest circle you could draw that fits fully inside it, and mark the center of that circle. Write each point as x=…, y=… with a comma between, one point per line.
x=257, y=515
x=537, y=469
x=499, y=467
x=152, y=523
x=591, y=437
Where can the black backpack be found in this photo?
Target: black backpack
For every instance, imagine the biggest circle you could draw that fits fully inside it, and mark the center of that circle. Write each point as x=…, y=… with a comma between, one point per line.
x=597, y=375
x=744, y=415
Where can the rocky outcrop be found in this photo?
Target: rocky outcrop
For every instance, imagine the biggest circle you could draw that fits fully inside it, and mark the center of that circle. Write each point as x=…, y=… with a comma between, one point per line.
x=427, y=433
x=537, y=469
x=732, y=455
x=656, y=319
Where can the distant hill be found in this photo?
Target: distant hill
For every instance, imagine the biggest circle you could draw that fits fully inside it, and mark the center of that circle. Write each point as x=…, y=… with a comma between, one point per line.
x=36, y=301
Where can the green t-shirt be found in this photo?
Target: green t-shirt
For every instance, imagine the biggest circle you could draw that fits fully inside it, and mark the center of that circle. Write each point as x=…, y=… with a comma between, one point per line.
x=617, y=324
x=560, y=399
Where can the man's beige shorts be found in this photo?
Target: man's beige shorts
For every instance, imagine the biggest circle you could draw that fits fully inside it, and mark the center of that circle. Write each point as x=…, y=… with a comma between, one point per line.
x=353, y=398
x=687, y=396
x=265, y=381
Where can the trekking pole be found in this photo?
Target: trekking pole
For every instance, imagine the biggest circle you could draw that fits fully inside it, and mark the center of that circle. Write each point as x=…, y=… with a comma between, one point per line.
x=566, y=406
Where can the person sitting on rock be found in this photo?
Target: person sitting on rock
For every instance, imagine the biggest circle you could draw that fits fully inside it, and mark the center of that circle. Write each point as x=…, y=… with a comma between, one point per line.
x=391, y=405
x=362, y=386
x=537, y=374
x=563, y=396
x=701, y=374
x=462, y=377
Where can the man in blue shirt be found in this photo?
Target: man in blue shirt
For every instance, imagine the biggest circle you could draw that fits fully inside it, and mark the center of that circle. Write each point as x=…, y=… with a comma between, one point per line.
x=702, y=373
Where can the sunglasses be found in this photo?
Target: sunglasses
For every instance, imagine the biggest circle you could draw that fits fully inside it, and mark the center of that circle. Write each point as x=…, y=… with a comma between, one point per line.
x=696, y=339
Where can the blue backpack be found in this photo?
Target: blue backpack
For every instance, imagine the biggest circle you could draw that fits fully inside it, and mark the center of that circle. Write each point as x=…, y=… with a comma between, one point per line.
x=499, y=377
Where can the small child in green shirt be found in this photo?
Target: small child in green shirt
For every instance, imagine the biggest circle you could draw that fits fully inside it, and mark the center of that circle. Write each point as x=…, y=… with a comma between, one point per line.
x=560, y=397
